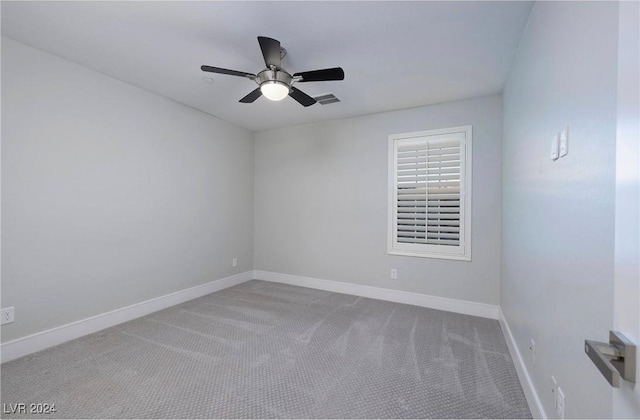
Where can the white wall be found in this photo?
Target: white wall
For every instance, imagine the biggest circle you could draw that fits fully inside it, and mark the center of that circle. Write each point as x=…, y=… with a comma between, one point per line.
x=321, y=202
x=558, y=217
x=111, y=195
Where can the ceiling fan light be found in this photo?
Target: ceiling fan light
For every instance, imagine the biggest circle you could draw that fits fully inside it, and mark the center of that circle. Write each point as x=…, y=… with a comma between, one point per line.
x=274, y=90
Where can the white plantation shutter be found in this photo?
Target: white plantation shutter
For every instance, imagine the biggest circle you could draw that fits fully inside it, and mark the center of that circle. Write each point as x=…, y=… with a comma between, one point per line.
x=429, y=183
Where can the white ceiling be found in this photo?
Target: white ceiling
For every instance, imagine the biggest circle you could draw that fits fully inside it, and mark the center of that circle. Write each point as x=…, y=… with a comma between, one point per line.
x=395, y=54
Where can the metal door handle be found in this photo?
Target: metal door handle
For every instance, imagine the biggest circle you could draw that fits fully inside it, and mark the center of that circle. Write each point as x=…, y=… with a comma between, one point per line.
x=614, y=359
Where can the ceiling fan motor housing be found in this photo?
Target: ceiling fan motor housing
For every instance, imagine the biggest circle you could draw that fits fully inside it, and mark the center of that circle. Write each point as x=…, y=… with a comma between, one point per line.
x=278, y=76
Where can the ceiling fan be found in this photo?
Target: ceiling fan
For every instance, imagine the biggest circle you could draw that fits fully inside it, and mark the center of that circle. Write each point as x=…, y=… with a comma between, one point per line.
x=274, y=82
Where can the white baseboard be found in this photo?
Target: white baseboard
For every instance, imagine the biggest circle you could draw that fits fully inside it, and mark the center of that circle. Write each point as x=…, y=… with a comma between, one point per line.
x=49, y=338
x=434, y=302
x=537, y=411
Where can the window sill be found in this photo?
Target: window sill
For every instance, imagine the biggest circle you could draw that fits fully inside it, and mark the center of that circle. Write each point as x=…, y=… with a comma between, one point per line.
x=431, y=255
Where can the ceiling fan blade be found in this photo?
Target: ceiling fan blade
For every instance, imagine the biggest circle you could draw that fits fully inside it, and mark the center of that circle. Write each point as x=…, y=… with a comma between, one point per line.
x=270, y=51
x=251, y=97
x=335, y=73
x=226, y=71
x=302, y=98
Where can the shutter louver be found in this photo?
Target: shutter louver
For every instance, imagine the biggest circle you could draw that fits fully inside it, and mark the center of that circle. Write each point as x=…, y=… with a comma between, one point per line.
x=428, y=181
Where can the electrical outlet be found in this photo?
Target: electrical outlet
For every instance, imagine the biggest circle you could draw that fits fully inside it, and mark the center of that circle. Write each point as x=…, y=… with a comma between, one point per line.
x=7, y=315
x=560, y=403
x=554, y=392
x=394, y=273
x=234, y=262
x=532, y=349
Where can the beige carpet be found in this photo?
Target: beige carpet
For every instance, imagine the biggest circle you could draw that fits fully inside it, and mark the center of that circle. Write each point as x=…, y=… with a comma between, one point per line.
x=266, y=350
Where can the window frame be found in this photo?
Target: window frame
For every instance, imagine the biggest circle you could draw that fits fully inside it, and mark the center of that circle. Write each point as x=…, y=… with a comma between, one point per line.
x=461, y=252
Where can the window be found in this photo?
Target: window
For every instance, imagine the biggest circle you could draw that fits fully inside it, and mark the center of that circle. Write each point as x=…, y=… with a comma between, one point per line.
x=430, y=194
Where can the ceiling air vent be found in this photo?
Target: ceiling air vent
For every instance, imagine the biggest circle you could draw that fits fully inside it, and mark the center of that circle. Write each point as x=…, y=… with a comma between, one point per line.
x=329, y=98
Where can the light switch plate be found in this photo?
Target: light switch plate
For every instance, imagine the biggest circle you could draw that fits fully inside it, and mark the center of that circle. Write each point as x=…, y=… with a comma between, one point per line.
x=555, y=144
x=563, y=144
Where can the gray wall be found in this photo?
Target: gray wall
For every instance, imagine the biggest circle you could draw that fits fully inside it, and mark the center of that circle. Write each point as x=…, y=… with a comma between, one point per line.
x=111, y=195
x=558, y=217
x=321, y=202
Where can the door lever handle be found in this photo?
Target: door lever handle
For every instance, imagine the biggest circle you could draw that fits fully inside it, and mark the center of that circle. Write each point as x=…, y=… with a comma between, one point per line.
x=614, y=359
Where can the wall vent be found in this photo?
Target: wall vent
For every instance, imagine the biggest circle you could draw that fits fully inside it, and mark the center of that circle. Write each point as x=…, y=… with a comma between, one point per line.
x=326, y=99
